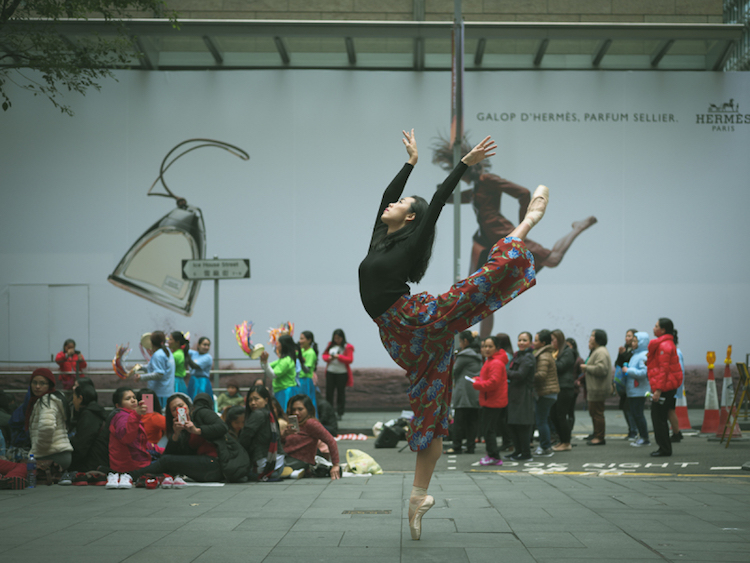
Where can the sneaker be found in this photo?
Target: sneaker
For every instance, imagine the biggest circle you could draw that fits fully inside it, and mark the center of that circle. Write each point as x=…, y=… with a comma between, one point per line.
x=97, y=479
x=67, y=478
x=13, y=483
x=113, y=480
x=126, y=482
x=487, y=460
x=631, y=437
x=676, y=437
x=152, y=483
x=178, y=483
x=80, y=480
x=297, y=474
x=544, y=452
x=512, y=457
x=640, y=442
x=167, y=483
x=523, y=458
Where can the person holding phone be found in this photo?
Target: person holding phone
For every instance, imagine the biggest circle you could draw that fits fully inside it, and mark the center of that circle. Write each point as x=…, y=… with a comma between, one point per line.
x=338, y=356
x=128, y=444
x=301, y=440
x=260, y=436
x=192, y=428
x=153, y=419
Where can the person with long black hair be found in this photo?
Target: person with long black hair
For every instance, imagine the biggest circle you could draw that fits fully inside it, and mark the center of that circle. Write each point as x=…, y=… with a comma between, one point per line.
x=418, y=331
x=160, y=369
x=308, y=380
x=664, y=376
x=338, y=356
x=283, y=372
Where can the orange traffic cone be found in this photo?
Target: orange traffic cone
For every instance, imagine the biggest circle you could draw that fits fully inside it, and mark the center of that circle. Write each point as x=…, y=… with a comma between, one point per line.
x=681, y=410
x=711, y=407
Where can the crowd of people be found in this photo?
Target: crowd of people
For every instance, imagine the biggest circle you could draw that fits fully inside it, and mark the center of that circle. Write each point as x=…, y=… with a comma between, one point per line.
x=501, y=394
x=171, y=430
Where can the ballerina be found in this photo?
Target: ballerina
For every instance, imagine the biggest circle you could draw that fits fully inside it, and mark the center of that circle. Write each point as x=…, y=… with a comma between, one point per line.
x=418, y=330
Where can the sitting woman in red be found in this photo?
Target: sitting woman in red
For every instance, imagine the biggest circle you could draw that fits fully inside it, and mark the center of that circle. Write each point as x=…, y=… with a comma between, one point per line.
x=128, y=444
x=301, y=446
x=492, y=385
x=665, y=376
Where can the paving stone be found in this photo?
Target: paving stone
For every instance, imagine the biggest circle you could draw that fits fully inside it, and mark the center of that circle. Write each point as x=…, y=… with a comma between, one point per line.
x=237, y=553
x=166, y=554
x=491, y=555
x=311, y=540
x=548, y=539
x=265, y=538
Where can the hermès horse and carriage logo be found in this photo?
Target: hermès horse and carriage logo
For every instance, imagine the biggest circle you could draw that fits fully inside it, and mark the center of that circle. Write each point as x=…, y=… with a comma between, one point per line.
x=723, y=117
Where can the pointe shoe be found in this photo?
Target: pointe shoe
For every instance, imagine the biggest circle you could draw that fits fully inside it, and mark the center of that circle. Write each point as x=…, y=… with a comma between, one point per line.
x=537, y=207
x=415, y=526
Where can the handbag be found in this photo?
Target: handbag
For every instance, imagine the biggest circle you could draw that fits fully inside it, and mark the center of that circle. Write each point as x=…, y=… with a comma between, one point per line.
x=233, y=458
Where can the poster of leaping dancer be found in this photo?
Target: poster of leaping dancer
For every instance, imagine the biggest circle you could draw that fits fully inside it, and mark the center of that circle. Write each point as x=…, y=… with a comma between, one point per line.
x=485, y=195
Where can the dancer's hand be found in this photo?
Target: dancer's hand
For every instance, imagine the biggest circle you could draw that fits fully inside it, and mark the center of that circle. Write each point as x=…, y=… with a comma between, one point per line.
x=411, y=146
x=483, y=150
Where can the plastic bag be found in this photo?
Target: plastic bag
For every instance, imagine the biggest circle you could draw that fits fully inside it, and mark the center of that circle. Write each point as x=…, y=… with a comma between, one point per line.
x=360, y=462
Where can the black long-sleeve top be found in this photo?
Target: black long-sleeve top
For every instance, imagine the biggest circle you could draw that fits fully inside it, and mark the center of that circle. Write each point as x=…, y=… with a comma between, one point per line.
x=384, y=271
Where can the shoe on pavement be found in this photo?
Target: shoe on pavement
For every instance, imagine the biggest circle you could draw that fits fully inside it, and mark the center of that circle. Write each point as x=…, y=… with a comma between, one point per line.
x=178, y=483
x=544, y=452
x=126, y=481
x=676, y=437
x=80, y=480
x=168, y=482
x=659, y=453
x=113, y=480
x=640, y=442
x=297, y=474
x=67, y=478
x=487, y=460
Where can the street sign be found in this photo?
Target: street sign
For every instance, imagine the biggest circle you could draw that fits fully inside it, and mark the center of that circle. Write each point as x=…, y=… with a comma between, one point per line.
x=217, y=269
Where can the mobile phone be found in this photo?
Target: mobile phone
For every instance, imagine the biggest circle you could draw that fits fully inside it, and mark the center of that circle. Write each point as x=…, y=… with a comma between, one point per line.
x=182, y=415
x=294, y=422
x=148, y=400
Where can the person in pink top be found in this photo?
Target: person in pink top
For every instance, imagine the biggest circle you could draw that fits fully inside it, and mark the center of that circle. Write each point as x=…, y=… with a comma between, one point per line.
x=128, y=444
x=301, y=447
x=492, y=385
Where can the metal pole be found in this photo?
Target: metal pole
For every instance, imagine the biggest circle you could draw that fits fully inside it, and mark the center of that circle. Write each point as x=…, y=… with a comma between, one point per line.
x=457, y=129
x=216, y=330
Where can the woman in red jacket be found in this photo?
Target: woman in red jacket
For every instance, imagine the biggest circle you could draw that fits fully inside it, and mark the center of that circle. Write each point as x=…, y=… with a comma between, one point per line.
x=71, y=363
x=338, y=356
x=664, y=376
x=492, y=385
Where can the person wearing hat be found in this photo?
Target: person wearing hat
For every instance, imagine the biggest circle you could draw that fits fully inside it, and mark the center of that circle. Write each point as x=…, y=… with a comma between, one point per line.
x=45, y=420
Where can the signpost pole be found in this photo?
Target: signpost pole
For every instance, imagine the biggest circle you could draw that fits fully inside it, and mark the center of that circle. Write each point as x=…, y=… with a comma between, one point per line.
x=216, y=332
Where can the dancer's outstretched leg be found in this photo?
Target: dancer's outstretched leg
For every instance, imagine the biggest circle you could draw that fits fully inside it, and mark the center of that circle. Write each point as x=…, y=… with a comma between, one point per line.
x=534, y=213
x=419, y=501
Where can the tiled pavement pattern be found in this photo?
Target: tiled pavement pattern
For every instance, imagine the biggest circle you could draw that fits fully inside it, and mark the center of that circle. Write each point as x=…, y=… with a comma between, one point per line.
x=478, y=518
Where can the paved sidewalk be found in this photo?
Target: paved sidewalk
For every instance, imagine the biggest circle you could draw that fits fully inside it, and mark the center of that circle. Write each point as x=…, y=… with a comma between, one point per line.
x=477, y=518
x=512, y=514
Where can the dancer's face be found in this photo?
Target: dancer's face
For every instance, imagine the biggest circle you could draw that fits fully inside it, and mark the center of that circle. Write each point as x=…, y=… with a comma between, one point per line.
x=488, y=348
x=204, y=346
x=523, y=341
x=397, y=214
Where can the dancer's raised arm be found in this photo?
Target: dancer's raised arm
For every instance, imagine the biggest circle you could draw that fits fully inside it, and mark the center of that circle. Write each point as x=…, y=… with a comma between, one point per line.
x=483, y=150
x=411, y=146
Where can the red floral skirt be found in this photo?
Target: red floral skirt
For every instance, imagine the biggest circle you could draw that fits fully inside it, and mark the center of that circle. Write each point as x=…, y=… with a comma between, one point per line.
x=418, y=332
